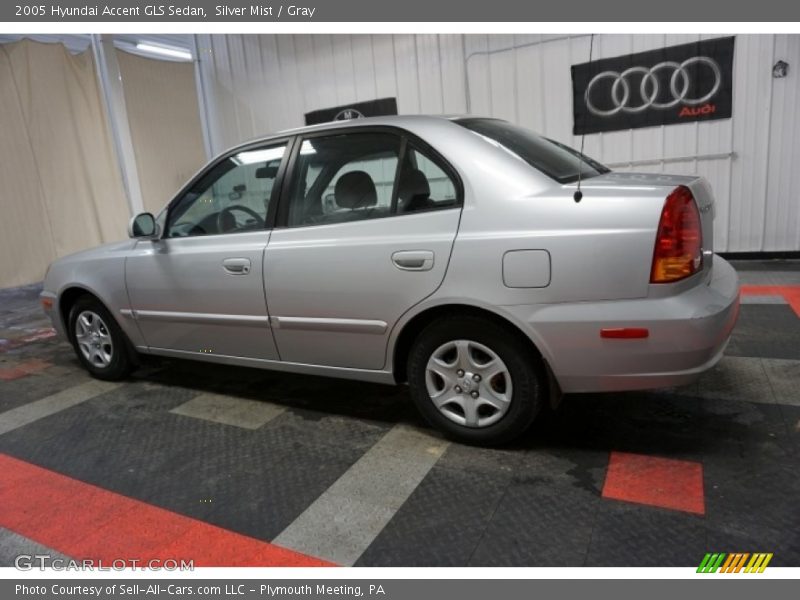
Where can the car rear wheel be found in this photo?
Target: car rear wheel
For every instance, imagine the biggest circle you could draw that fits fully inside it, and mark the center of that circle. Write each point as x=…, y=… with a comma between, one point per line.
x=98, y=341
x=475, y=380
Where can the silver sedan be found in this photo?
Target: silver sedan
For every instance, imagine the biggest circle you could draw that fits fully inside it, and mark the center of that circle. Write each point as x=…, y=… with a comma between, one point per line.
x=487, y=267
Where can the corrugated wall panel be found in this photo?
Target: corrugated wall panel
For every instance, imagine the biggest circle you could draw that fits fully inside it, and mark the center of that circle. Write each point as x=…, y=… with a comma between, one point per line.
x=429, y=73
x=782, y=223
x=479, y=100
x=283, y=84
x=751, y=103
x=407, y=73
x=254, y=65
x=502, y=79
x=266, y=83
x=364, y=67
x=531, y=105
x=453, y=74
x=343, y=69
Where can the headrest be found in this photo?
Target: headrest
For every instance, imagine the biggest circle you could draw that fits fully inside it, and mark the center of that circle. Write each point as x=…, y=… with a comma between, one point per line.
x=413, y=184
x=355, y=190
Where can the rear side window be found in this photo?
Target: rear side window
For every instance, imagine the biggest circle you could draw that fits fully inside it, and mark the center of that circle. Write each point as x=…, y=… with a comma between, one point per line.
x=344, y=178
x=357, y=176
x=423, y=184
x=552, y=158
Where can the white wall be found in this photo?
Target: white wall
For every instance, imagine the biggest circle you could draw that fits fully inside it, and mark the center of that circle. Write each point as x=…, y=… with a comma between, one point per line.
x=254, y=85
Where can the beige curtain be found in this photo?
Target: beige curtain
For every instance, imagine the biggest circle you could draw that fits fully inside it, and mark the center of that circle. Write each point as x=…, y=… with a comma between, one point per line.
x=161, y=100
x=60, y=186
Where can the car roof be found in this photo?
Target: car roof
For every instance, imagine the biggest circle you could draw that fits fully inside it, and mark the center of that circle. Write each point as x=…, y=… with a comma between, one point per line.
x=401, y=121
x=415, y=124
x=387, y=120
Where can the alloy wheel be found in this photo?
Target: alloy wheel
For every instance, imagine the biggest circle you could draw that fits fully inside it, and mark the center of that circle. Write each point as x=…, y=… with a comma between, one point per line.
x=94, y=339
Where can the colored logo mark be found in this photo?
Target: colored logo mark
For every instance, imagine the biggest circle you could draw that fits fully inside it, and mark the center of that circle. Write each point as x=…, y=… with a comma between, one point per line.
x=735, y=562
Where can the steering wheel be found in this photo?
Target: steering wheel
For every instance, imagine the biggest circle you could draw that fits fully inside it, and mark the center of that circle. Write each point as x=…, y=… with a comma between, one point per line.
x=225, y=212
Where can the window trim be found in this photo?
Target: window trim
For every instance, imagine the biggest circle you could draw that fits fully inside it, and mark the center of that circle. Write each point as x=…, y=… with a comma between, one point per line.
x=581, y=158
x=401, y=160
x=275, y=194
x=429, y=154
x=406, y=139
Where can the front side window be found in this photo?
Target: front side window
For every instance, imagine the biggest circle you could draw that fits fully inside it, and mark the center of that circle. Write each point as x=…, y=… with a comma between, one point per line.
x=234, y=196
x=555, y=160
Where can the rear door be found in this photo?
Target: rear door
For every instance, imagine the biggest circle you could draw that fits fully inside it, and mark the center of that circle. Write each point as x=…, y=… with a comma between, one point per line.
x=366, y=226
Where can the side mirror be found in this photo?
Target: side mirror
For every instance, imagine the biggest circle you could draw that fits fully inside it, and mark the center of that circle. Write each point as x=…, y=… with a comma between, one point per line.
x=143, y=225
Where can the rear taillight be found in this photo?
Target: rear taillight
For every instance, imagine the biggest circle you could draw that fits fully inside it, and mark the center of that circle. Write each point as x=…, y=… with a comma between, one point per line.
x=678, y=252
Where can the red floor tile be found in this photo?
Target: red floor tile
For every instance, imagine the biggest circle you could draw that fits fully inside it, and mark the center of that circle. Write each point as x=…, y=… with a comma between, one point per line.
x=790, y=293
x=662, y=482
x=84, y=521
x=23, y=369
x=40, y=334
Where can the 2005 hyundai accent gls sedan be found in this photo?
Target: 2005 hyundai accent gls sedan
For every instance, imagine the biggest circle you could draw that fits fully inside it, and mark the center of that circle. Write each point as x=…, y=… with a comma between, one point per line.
x=448, y=253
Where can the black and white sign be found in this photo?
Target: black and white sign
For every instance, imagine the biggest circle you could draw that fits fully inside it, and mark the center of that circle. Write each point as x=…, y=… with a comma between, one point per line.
x=371, y=108
x=678, y=84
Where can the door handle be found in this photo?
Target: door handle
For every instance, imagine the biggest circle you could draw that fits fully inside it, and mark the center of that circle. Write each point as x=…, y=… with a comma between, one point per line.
x=236, y=266
x=413, y=260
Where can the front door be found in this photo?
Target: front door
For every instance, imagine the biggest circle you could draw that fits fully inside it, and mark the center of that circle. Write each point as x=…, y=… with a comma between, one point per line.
x=199, y=289
x=369, y=223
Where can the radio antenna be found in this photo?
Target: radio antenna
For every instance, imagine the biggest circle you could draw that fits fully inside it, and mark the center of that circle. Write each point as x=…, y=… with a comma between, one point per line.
x=578, y=193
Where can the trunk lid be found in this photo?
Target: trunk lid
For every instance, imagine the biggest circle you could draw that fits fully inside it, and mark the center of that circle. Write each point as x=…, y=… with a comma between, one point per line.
x=699, y=186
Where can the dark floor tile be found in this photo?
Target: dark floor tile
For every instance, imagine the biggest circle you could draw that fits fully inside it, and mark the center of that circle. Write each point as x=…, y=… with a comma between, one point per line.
x=16, y=298
x=254, y=482
x=766, y=331
x=746, y=430
x=36, y=386
x=779, y=265
x=654, y=422
x=538, y=524
x=441, y=523
x=630, y=535
x=730, y=537
x=322, y=395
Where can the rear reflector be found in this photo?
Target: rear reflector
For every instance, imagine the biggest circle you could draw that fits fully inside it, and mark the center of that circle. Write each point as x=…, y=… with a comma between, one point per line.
x=678, y=251
x=625, y=333
x=47, y=303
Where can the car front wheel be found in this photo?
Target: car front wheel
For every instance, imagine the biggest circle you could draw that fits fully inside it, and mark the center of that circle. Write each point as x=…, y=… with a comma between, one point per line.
x=98, y=341
x=475, y=380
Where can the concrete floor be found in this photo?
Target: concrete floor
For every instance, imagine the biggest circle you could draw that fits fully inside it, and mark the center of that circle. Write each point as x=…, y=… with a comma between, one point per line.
x=236, y=466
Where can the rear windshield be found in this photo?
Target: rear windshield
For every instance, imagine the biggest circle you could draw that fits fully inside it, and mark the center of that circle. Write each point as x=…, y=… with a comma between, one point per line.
x=555, y=160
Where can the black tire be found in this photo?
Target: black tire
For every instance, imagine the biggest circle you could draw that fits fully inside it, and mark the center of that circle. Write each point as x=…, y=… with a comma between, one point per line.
x=120, y=364
x=523, y=365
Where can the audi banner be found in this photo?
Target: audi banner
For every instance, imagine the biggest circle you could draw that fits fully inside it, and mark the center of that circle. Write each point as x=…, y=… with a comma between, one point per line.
x=370, y=108
x=678, y=84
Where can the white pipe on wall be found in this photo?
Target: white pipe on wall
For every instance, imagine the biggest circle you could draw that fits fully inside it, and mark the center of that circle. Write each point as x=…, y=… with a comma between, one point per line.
x=108, y=75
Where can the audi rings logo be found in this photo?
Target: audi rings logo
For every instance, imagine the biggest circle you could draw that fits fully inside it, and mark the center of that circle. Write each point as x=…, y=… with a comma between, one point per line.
x=658, y=87
x=623, y=92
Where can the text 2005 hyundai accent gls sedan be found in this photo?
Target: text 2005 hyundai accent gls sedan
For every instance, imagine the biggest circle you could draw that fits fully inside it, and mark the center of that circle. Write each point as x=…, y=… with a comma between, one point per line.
x=446, y=253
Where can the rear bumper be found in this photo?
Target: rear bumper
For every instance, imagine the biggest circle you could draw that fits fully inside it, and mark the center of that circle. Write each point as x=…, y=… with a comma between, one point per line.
x=688, y=333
